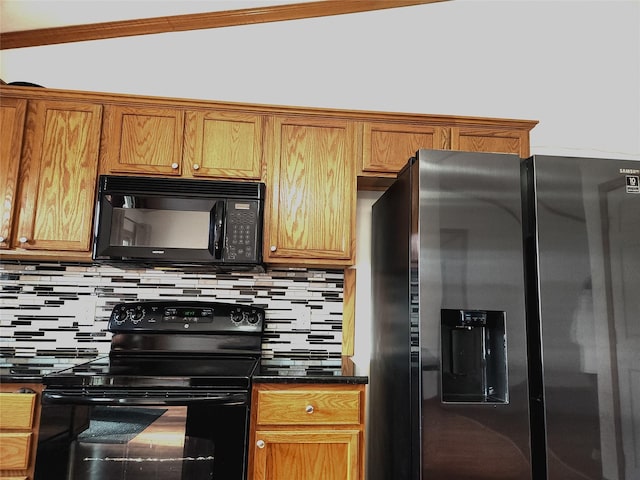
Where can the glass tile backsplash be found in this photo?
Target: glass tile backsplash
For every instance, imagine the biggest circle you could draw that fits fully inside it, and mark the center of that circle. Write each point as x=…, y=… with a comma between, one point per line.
x=62, y=309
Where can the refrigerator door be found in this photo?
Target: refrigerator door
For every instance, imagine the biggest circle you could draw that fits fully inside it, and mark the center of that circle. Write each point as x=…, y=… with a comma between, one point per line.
x=588, y=248
x=393, y=442
x=470, y=310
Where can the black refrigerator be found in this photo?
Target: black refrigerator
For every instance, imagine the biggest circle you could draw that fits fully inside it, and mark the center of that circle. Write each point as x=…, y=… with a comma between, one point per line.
x=506, y=320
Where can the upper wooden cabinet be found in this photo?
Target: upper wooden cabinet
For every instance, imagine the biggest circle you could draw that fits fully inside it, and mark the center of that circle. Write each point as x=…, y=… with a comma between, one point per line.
x=158, y=140
x=223, y=144
x=57, y=177
x=386, y=147
x=312, y=161
x=311, y=185
x=12, y=117
x=487, y=139
x=142, y=140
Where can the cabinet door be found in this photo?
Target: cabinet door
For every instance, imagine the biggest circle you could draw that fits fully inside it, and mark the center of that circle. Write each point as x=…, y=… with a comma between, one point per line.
x=388, y=146
x=478, y=139
x=12, y=115
x=58, y=176
x=143, y=140
x=309, y=455
x=223, y=145
x=312, y=191
x=19, y=427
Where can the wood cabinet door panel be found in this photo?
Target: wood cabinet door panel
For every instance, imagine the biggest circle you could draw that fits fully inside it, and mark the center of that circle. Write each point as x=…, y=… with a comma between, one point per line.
x=309, y=408
x=387, y=146
x=14, y=450
x=489, y=140
x=16, y=410
x=223, y=144
x=317, y=455
x=12, y=117
x=313, y=190
x=58, y=175
x=143, y=140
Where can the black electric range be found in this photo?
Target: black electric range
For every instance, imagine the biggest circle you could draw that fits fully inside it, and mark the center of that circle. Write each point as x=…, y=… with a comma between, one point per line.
x=171, y=345
x=170, y=400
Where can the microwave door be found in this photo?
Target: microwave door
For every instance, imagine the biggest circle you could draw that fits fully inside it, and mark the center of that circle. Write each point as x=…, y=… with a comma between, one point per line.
x=216, y=229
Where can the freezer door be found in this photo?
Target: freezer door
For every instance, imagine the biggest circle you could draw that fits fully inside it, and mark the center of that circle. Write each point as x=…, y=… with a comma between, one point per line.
x=471, y=323
x=588, y=233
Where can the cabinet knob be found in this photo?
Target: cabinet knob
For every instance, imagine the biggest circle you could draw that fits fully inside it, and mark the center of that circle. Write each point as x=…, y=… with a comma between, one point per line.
x=196, y=166
x=309, y=409
x=2, y=239
x=174, y=166
x=23, y=239
x=273, y=248
x=260, y=444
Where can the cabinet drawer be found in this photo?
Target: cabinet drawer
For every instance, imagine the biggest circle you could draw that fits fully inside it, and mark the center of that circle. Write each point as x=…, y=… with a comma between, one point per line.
x=16, y=410
x=308, y=407
x=14, y=451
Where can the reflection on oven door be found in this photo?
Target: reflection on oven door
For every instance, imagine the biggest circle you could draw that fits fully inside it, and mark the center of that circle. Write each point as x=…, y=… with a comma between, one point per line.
x=139, y=443
x=149, y=443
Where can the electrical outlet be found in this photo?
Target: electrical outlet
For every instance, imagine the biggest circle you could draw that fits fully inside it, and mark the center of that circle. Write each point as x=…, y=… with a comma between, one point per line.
x=87, y=308
x=303, y=319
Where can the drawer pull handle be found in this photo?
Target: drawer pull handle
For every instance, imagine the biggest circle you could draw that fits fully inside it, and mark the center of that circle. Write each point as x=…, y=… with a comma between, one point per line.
x=309, y=409
x=260, y=443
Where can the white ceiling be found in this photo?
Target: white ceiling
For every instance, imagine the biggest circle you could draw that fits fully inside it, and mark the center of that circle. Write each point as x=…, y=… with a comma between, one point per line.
x=19, y=15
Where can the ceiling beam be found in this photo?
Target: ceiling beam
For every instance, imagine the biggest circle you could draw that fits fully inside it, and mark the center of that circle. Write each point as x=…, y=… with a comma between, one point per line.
x=195, y=21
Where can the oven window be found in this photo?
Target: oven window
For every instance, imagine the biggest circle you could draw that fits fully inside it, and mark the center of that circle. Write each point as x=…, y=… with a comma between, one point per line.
x=148, y=442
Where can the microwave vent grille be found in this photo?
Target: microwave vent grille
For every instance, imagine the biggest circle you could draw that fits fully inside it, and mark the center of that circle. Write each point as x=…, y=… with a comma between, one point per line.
x=182, y=186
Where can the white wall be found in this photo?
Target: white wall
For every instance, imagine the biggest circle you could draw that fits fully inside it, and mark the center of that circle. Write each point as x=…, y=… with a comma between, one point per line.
x=574, y=65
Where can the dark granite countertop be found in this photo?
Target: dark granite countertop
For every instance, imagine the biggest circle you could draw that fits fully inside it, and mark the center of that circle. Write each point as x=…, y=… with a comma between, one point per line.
x=32, y=369
x=309, y=371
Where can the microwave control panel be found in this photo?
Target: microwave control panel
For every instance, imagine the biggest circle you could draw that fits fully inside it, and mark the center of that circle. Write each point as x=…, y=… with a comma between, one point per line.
x=242, y=231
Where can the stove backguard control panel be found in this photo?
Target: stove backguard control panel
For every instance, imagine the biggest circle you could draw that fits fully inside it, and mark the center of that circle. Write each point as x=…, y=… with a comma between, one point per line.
x=186, y=317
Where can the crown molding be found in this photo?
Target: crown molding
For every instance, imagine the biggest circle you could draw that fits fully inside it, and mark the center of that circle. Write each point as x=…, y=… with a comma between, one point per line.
x=196, y=21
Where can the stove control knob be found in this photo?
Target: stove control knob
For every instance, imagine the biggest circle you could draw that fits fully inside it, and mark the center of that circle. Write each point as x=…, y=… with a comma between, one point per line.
x=120, y=316
x=137, y=315
x=253, y=318
x=236, y=317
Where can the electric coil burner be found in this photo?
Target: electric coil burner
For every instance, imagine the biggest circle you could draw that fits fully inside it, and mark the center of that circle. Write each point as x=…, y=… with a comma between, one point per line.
x=170, y=401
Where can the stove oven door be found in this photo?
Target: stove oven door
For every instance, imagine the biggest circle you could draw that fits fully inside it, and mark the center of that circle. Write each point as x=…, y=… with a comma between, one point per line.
x=167, y=435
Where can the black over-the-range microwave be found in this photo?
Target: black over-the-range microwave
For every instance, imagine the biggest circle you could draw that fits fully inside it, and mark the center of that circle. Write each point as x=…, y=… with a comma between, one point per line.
x=179, y=222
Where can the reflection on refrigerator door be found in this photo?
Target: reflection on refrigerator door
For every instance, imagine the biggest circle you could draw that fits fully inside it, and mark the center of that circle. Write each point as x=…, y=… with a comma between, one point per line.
x=515, y=282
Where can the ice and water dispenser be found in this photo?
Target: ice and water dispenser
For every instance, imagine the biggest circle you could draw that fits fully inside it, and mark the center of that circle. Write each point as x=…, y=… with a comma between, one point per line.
x=474, y=356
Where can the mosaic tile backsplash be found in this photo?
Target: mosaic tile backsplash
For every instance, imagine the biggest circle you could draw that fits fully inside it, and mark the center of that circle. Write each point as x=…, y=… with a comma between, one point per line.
x=63, y=309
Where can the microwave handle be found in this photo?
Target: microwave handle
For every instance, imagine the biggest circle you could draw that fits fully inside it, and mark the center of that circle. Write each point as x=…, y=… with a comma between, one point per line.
x=216, y=227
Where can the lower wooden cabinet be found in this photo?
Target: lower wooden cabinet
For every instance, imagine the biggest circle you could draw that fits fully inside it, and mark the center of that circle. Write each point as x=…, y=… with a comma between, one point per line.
x=307, y=431
x=19, y=423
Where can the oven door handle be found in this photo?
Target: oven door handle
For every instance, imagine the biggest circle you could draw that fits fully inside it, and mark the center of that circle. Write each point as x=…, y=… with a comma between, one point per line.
x=157, y=399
